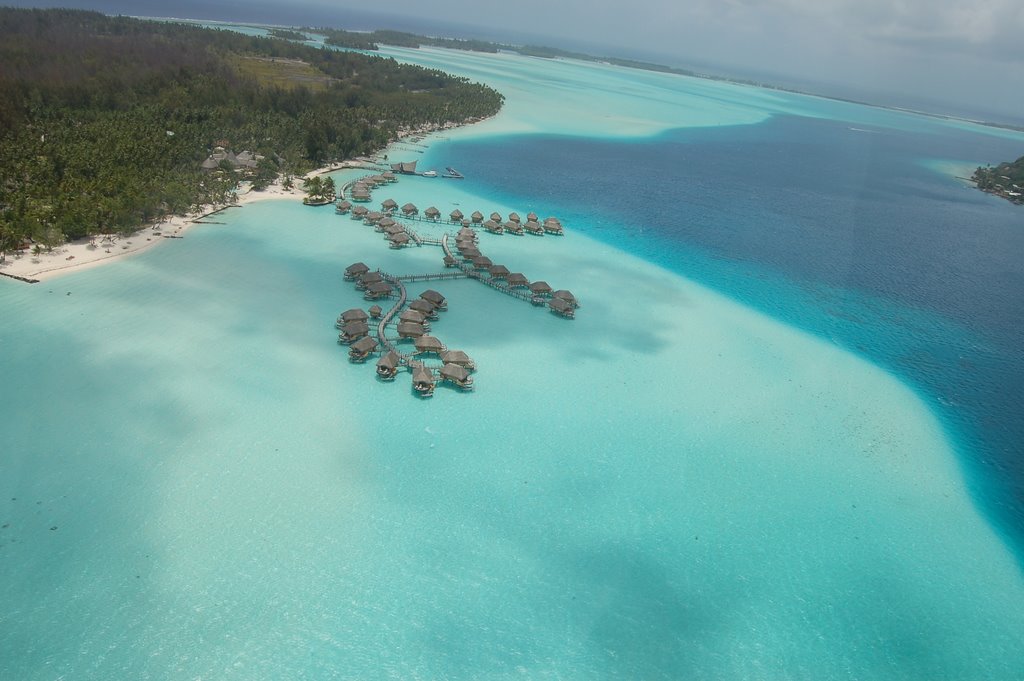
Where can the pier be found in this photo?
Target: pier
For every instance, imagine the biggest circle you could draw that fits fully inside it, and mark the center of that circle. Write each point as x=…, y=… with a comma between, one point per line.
x=467, y=263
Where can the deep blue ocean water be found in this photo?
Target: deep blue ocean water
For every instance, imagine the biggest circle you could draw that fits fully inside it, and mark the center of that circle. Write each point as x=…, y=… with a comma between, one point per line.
x=844, y=230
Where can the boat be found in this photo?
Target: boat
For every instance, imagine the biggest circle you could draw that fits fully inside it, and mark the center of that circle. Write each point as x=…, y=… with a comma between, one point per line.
x=430, y=173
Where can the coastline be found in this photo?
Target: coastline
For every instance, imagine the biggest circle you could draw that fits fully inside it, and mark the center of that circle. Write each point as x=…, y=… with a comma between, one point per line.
x=89, y=252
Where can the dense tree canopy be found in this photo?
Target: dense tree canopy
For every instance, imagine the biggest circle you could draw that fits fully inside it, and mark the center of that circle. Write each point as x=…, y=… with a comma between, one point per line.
x=105, y=121
x=1005, y=179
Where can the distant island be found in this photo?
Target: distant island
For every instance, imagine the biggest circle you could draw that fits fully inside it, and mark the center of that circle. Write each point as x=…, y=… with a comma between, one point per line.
x=1005, y=180
x=105, y=122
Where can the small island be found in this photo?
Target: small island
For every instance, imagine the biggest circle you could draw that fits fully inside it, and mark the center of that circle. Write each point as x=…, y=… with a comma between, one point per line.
x=1005, y=180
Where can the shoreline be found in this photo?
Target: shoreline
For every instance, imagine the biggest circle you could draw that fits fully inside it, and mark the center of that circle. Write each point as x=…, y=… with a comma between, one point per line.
x=89, y=252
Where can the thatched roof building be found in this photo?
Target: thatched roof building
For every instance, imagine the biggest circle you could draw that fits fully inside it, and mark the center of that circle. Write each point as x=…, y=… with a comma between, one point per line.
x=514, y=217
x=498, y=271
x=493, y=227
x=408, y=168
x=387, y=365
x=449, y=261
x=389, y=205
x=481, y=262
x=414, y=316
x=456, y=215
x=539, y=288
x=422, y=380
x=373, y=217
x=567, y=296
x=354, y=315
x=410, y=330
x=426, y=344
x=375, y=311
x=389, y=176
x=359, y=211
x=533, y=227
x=367, y=278
x=513, y=227
x=469, y=253
x=354, y=330
x=380, y=289
x=458, y=357
x=496, y=217
x=343, y=206
x=356, y=269
x=362, y=348
x=562, y=307
x=458, y=375
x=424, y=306
x=410, y=209
x=477, y=217
x=532, y=216
x=432, y=213
x=434, y=298
x=399, y=240
x=515, y=279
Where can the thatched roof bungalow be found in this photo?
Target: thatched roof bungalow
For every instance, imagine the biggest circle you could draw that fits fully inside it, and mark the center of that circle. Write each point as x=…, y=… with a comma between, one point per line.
x=378, y=290
x=532, y=216
x=410, y=210
x=562, y=307
x=481, y=262
x=389, y=205
x=514, y=217
x=477, y=217
x=493, y=227
x=429, y=344
x=387, y=365
x=449, y=261
x=458, y=375
x=424, y=306
x=456, y=215
x=513, y=227
x=354, y=315
x=389, y=176
x=533, y=227
x=422, y=380
x=353, y=331
x=434, y=298
x=356, y=269
x=361, y=349
x=498, y=271
x=540, y=288
x=359, y=212
x=367, y=278
x=399, y=240
x=458, y=357
x=432, y=213
x=517, y=279
x=343, y=206
x=375, y=311
x=410, y=330
x=553, y=226
x=496, y=217
x=567, y=296
x=413, y=316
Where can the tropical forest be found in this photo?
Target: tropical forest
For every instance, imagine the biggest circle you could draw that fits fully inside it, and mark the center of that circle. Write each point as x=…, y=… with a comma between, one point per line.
x=105, y=122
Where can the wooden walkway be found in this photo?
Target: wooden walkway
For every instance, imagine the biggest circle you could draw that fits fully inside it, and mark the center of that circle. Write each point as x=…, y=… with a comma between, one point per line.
x=468, y=271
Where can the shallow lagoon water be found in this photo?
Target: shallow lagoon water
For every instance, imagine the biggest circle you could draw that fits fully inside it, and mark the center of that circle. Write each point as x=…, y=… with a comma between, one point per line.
x=672, y=484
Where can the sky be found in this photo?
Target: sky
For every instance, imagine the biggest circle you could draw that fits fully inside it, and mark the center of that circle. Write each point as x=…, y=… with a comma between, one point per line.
x=965, y=54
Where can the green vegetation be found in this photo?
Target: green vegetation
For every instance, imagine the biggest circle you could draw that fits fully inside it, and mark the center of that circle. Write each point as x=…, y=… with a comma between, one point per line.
x=320, y=190
x=105, y=121
x=1005, y=180
x=287, y=34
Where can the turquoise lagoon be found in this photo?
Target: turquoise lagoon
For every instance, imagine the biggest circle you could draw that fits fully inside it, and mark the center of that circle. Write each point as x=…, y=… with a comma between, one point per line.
x=198, y=485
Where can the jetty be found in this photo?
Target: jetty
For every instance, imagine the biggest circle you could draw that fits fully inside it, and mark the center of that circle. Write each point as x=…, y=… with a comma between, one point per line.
x=407, y=320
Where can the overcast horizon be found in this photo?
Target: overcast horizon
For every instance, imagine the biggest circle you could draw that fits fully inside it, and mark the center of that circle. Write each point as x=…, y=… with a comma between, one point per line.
x=965, y=57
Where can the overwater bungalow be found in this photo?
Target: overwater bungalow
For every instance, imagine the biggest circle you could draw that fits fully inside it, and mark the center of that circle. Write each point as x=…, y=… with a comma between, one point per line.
x=353, y=315
x=466, y=233
x=429, y=344
x=514, y=217
x=540, y=288
x=378, y=290
x=359, y=212
x=531, y=216
x=458, y=375
x=375, y=311
x=513, y=227
x=553, y=226
x=422, y=380
x=498, y=271
x=517, y=279
x=399, y=240
x=533, y=227
x=449, y=261
x=392, y=229
x=469, y=253
x=360, y=193
x=424, y=306
x=373, y=217
x=477, y=217
x=355, y=270
x=456, y=215
x=353, y=331
x=562, y=307
x=387, y=365
x=409, y=210
x=389, y=176
x=463, y=243
x=378, y=179
x=389, y=205
x=481, y=262
x=385, y=222
x=343, y=206
x=414, y=316
x=496, y=217
x=361, y=349
x=367, y=278
x=458, y=357
x=432, y=213
x=410, y=330
x=493, y=227
x=567, y=296
x=435, y=299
